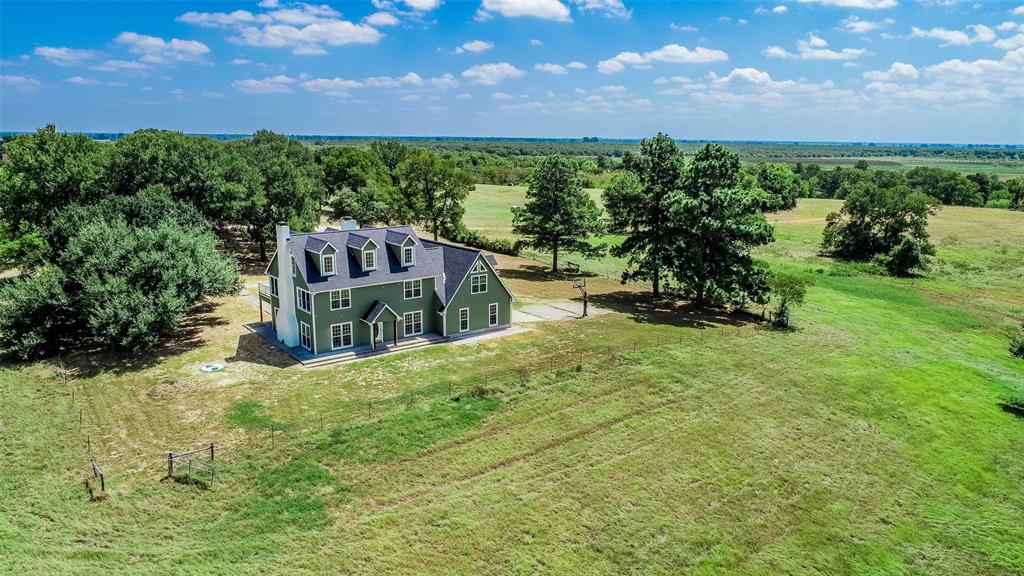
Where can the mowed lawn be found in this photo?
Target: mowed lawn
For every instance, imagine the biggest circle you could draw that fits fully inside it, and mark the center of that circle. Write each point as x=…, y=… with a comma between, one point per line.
x=869, y=440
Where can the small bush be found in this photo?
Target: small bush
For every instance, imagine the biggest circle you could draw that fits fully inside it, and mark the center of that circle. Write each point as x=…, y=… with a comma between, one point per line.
x=472, y=238
x=1017, y=342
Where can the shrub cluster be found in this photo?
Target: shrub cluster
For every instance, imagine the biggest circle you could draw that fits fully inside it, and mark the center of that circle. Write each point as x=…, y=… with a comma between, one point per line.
x=474, y=239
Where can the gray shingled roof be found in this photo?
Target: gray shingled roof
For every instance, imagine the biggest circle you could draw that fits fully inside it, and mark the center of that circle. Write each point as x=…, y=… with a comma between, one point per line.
x=396, y=237
x=315, y=244
x=457, y=263
x=376, y=310
x=356, y=240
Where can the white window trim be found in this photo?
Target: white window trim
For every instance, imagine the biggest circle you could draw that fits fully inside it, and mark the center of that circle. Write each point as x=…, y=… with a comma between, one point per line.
x=351, y=336
x=495, y=306
x=368, y=268
x=298, y=300
x=334, y=268
x=417, y=289
x=473, y=284
x=461, y=329
x=412, y=260
x=309, y=336
x=478, y=267
x=273, y=286
x=405, y=321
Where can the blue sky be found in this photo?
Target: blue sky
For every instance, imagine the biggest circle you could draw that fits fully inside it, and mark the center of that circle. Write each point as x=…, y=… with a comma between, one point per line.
x=834, y=70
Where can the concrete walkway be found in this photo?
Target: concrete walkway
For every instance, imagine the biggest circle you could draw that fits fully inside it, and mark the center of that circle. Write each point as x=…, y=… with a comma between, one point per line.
x=556, y=310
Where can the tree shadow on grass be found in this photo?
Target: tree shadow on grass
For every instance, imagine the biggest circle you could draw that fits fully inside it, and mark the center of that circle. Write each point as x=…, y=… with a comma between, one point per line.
x=91, y=361
x=643, y=309
x=540, y=273
x=255, y=349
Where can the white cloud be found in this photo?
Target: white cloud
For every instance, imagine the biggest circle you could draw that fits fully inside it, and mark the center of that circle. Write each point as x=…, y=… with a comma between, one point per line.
x=64, y=56
x=551, y=68
x=305, y=28
x=780, y=9
x=669, y=53
x=410, y=79
x=610, y=8
x=1018, y=11
x=612, y=89
x=422, y=5
x=240, y=61
x=970, y=35
x=857, y=26
x=491, y=74
x=81, y=81
x=119, y=66
x=544, y=9
x=535, y=42
x=464, y=96
x=156, y=50
x=502, y=96
x=16, y=83
x=576, y=65
x=381, y=19
x=683, y=27
x=270, y=85
x=864, y=4
x=331, y=86
x=474, y=46
x=898, y=71
x=955, y=81
x=444, y=81
x=814, y=48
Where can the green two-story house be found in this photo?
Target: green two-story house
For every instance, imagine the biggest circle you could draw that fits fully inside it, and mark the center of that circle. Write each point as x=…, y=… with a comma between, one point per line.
x=363, y=289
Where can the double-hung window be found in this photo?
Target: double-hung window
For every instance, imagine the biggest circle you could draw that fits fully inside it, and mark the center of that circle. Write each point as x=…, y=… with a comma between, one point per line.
x=463, y=319
x=413, y=289
x=478, y=283
x=492, y=315
x=408, y=256
x=369, y=260
x=302, y=300
x=273, y=286
x=327, y=265
x=413, y=323
x=341, y=335
x=304, y=336
x=341, y=299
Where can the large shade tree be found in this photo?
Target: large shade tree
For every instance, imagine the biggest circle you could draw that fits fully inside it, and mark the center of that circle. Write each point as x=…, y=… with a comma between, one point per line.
x=642, y=211
x=434, y=190
x=558, y=215
x=715, y=225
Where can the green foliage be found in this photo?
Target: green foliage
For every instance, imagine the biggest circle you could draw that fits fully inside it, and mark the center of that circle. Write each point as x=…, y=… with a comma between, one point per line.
x=780, y=185
x=945, y=186
x=434, y=189
x=885, y=224
x=360, y=186
x=475, y=239
x=713, y=225
x=787, y=291
x=558, y=214
x=123, y=273
x=659, y=168
x=40, y=174
x=621, y=195
x=1017, y=342
x=34, y=315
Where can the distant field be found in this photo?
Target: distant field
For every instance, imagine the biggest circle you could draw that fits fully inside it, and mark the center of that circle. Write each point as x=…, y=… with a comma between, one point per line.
x=651, y=440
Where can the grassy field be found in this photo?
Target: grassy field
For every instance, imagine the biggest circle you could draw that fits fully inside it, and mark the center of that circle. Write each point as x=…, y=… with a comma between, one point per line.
x=869, y=440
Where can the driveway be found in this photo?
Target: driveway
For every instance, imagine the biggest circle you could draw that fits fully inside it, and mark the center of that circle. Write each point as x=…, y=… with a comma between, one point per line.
x=555, y=310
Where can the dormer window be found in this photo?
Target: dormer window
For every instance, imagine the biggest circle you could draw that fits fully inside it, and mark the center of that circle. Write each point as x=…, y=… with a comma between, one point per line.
x=408, y=256
x=327, y=264
x=369, y=260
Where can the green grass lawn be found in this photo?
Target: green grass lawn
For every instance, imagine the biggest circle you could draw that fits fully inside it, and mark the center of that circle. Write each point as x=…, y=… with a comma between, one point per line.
x=868, y=440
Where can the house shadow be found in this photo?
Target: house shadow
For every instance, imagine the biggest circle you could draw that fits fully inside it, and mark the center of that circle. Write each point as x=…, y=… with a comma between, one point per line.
x=255, y=349
x=641, y=308
x=90, y=361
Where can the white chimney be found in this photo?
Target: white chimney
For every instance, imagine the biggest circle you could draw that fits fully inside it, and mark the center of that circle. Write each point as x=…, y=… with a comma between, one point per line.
x=287, y=324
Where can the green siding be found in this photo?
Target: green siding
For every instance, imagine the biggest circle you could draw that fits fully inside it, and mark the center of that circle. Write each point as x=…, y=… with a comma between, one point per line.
x=477, y=304
x=392, y=294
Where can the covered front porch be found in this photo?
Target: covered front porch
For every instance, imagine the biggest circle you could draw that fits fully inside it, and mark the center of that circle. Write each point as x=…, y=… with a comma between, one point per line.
x=308, y=359
x=382, y=322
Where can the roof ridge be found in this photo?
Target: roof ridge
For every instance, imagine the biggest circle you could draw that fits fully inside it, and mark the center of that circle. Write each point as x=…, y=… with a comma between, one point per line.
x=448, y=245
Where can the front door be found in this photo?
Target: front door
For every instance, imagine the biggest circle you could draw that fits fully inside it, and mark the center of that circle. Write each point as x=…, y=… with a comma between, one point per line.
x=378, y=332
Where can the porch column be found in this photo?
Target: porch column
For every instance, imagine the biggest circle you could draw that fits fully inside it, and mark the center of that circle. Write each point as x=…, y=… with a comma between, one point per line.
x=396, y=332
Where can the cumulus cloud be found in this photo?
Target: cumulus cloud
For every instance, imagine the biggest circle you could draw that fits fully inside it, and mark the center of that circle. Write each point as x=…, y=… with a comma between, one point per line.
x=954, y=81
x=240, y=61
x=969, y=35
x=1011, y=42
x=62, y=56
x=1018, y=11
x=81, y=81
x=536, y=42
x=120, y=66
x=270, y=85
x=898, y=71
x=863, y=4
x=422, y=5
x=305, y=28
x=551, y=68
x=814, y=48
x=340, y=87
x=156, y=50
x=682, y=27
x=669, y=53
x=780, y=9
x=381, y=19
x=609, y=8
x=544, y=9
x=331, y=86
x=576, y=65
x=491, y=74
x=857, y=26
x=474, y=46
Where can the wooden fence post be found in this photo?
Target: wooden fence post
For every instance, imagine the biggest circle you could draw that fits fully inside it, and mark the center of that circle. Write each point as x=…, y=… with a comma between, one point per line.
x=170, y=464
